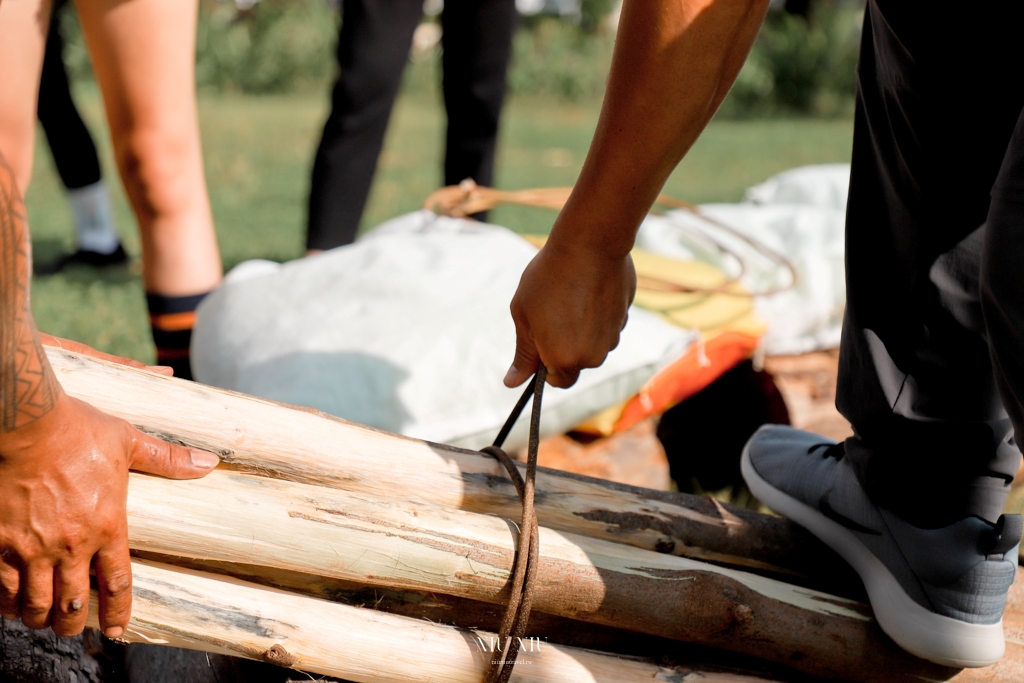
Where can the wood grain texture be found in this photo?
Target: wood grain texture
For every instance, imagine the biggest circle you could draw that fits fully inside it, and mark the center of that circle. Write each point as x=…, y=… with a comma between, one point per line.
x=266, y=438
x=235, y=517
x=635, y=456
x=194, y=610
x=318, y=496
x=241, y=518
x=453, y=611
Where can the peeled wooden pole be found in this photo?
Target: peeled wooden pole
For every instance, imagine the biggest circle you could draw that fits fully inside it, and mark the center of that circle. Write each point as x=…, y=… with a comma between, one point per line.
x=241, y=518
x=201, y=611
x=464, y=613
x=443, y=609
x=264, y=437
x=292, y=445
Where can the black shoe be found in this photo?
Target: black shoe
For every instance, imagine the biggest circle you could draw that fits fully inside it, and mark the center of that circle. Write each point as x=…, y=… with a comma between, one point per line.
x=84, y=257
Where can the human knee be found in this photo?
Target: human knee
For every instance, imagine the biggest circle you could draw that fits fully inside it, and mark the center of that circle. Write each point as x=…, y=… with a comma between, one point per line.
x=158, y=168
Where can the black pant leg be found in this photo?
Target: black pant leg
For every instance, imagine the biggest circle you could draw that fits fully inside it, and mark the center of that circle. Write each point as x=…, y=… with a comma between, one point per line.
x=74, y=152
x=477, y=48
x=939, y=93
x=1002, y=284
x=373, y=48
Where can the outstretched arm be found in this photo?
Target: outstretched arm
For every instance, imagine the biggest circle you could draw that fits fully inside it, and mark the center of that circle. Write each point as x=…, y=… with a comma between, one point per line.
x=63, y=468
x=674, y=62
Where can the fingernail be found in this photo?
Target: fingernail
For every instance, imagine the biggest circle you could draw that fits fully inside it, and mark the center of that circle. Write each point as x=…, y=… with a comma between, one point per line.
x=114, y=632
x=203, y=459
x=510, y=375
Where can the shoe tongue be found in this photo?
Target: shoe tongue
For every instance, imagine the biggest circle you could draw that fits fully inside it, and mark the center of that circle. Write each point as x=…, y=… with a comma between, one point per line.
x=1005, y=536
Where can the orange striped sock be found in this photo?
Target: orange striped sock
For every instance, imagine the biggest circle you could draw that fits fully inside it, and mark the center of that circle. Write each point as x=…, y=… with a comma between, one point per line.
x=171, y=319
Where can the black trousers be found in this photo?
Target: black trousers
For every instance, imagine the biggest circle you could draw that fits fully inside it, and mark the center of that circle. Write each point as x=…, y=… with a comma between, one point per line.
x=932, y=361
x=373, y=48
x=72, y=147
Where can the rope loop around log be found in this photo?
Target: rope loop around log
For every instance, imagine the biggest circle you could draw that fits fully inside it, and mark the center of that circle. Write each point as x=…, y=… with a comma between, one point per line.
x=524, y=569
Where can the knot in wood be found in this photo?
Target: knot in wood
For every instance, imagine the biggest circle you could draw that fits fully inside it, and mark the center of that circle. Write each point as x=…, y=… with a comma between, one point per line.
x=665, y=545
x=742, y=613
x=279, y=656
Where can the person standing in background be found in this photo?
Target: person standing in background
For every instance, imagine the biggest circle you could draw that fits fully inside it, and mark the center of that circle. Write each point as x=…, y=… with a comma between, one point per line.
x=74, y=154
x=373, y=48
x=143, y=55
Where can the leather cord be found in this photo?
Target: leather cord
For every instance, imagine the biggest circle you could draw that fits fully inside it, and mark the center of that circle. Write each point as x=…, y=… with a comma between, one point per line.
x=524, y=569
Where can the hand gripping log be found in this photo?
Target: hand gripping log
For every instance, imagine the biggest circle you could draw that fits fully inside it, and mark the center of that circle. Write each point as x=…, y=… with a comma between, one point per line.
x=524, y=572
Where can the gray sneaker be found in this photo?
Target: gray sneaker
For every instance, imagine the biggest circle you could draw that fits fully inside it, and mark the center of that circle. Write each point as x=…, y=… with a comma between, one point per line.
x=939, y=593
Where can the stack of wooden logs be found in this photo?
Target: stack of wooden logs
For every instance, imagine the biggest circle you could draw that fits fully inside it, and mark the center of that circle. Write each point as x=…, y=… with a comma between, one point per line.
x=341, y=550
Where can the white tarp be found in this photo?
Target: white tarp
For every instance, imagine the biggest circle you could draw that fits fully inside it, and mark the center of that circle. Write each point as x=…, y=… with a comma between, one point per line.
x=407, y=330
x=800, y=214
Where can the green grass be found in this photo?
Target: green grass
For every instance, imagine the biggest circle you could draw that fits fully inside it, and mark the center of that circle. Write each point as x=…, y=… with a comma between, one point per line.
x=258, y=152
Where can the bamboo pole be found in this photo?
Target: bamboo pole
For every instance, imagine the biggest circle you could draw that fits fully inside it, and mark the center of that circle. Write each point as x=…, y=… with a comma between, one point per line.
x=241, y=518
x=194, y=610
x=260, y=436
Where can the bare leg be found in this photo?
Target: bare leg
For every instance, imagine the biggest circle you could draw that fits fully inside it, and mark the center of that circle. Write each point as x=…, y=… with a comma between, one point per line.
x=23, y=27
x=143, y=53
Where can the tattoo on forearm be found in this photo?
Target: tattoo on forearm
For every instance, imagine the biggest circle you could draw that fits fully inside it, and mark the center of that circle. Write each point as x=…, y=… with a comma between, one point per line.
x=28, y=387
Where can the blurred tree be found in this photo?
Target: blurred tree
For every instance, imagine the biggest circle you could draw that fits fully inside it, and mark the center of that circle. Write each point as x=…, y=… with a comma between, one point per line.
x=273, y=46
x=593, y=12
x=801, y=63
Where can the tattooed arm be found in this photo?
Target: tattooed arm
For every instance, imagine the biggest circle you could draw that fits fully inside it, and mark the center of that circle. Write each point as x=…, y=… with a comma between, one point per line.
x=63, y=468
x=28, y=389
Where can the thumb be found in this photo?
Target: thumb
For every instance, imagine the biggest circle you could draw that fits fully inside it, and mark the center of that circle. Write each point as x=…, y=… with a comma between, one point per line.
x=526, y=361
x=154, y=456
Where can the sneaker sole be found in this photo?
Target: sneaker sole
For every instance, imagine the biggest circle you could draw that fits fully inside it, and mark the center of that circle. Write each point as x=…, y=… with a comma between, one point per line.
x=917, y=630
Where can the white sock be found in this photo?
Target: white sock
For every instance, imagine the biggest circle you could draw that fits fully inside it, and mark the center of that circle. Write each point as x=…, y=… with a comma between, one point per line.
x=94, y=220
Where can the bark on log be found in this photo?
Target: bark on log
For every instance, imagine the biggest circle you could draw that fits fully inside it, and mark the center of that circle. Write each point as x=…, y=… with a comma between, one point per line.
x=474, y=615
x=301, y=445
x=193, y=610
x=28, y=656
x=463, y=613
x=287, y=444
x=240, y=518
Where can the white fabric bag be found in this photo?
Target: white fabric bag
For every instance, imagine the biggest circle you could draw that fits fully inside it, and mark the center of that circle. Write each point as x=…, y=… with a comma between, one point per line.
x=406, y=330
x=800, y=214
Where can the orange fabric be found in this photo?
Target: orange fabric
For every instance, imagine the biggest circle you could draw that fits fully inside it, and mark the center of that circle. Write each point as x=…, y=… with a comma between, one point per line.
x=173, y=322
x=704, y=362
x=727, y=320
